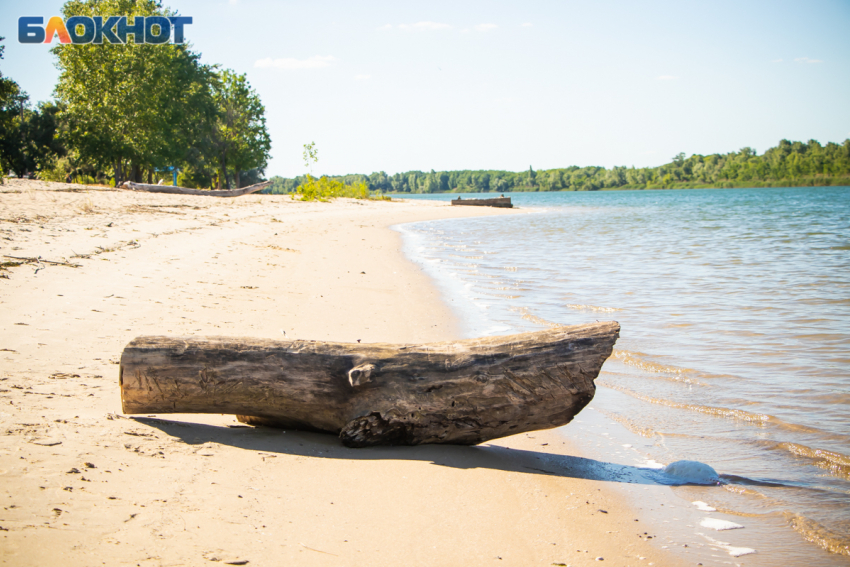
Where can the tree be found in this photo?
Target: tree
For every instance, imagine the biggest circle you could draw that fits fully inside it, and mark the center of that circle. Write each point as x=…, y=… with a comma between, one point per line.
x=13, y=129
x=131, y=108
x=242, y=140
x=532, y=177
x=28, y=140
x=310, y=155
x=10, y=107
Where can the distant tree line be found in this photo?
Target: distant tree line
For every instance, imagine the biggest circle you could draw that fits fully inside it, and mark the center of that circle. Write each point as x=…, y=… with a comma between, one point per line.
x=787, y=164
x=135, y=112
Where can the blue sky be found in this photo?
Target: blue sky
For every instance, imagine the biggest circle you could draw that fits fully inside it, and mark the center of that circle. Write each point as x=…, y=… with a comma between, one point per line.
x=468, y=84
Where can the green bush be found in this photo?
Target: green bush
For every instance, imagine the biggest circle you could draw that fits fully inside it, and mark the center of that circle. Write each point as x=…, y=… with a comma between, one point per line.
x=325, y=188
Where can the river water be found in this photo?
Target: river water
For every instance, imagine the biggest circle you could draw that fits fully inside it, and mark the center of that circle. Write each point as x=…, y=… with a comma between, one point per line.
x=735, y=344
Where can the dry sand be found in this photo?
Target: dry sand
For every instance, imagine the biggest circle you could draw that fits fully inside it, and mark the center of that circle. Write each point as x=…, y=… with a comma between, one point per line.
x=82, y=484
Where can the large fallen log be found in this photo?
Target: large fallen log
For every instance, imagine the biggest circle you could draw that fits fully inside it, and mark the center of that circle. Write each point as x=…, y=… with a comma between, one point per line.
x=461, y=392
x=204, y=192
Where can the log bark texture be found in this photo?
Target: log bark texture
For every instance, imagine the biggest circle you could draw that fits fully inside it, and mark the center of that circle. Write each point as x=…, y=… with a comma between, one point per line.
x=462, y=392
x=203, y=192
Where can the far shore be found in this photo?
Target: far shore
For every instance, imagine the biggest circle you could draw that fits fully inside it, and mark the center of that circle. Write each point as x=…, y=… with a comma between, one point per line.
x=87, y=269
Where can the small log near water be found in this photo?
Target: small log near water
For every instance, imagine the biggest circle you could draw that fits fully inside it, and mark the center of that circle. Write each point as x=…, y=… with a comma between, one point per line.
x=460, y=392
x=203, y=192
x=495, y=202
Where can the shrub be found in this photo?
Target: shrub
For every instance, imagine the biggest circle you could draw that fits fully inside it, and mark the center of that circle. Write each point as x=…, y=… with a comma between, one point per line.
x=325, y=188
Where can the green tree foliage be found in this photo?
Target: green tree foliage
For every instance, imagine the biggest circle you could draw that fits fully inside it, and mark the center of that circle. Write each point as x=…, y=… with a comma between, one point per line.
x=788, y=164
x=11, y=106
x=32, y=144
x=241, y=139
x=310, y=156
x=131, y=108
x=29, y=143
x=135, y=110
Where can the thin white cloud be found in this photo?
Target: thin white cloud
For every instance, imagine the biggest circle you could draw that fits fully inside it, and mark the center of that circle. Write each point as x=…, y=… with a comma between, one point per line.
x=424, y=26
x=485, y=27
x=362, y=77
x=666, y=77
x=314, y=62
x=386, y=27
x=776, y=61
x=807, y=60
x=527, y=25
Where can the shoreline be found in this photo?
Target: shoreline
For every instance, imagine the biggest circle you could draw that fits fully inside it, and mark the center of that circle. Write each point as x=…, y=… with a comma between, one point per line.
x=469, y=259
x=191, y=489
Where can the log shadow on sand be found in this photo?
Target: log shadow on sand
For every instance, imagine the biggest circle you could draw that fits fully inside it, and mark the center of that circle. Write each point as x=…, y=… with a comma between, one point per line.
x=326, y=446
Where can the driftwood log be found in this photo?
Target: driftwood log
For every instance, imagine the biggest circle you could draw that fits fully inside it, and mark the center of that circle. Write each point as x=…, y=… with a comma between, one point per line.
x=504, y=202
x=203, y=192
x=461, y=392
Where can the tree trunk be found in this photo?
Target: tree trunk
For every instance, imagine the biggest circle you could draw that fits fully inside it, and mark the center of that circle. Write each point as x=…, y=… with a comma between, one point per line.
x=116, y=173
x=237, y=179
x=224, y=168
x=461, y=392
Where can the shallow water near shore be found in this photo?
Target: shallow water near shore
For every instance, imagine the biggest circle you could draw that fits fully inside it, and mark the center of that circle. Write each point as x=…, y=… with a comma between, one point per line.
x=735, y=314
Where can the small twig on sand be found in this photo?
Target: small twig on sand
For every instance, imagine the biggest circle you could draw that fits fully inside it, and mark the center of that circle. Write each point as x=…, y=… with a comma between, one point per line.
x=39, y=260
x=131, y=244
x=318, y=550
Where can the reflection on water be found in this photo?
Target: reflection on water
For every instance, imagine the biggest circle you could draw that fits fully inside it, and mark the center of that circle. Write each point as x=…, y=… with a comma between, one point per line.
x=735, y=314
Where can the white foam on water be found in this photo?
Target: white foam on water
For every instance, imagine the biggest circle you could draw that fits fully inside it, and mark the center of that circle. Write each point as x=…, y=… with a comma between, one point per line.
x=739, y=551
x=731, y=550
x=719, y=525
x=692, y=472
x=653, y=464
x=703, y=506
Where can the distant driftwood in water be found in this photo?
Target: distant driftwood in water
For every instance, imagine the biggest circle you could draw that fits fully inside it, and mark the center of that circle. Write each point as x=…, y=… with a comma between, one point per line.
x=186, y=191
x=494, y=202
x=461, y=392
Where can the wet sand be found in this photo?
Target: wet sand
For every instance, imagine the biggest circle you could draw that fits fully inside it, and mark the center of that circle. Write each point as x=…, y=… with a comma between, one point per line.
x=83, y=484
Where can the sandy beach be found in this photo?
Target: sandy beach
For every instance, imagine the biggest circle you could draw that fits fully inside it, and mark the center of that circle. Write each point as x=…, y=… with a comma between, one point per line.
x=82, y=484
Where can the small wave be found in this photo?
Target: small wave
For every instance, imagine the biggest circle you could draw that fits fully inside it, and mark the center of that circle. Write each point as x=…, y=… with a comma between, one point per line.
x=817, y=534
x=742, y=480
x=836, y=463
x=639, y=360
x=592, y=308
x=500, y=295
x=528, y=316
x=740, y=489
x=755, y=418
x=627, y=423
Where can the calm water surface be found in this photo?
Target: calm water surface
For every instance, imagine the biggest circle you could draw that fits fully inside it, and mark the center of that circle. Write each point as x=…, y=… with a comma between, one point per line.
x=735, y=314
